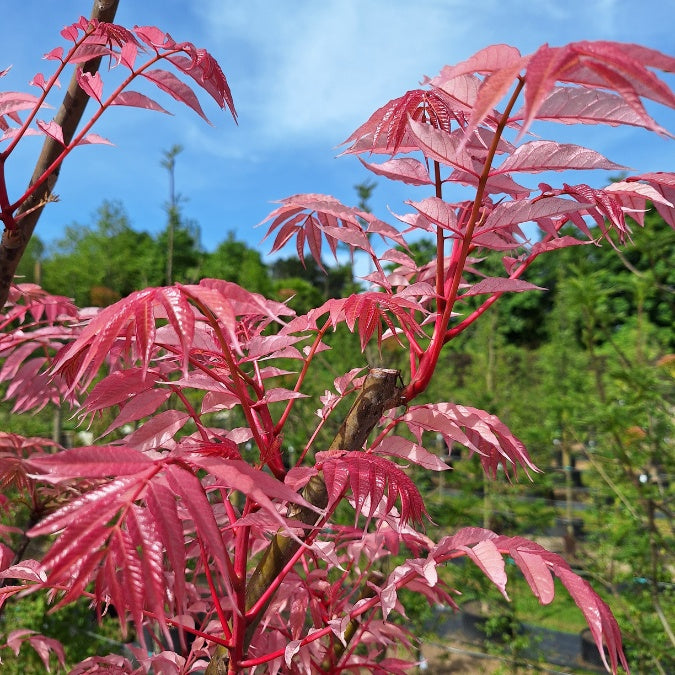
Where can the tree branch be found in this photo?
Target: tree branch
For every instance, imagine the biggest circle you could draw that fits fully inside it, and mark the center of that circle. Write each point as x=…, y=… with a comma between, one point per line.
x=70, y=113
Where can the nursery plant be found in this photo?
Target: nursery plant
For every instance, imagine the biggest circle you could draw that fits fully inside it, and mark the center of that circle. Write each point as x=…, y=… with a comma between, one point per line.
x=213, y=548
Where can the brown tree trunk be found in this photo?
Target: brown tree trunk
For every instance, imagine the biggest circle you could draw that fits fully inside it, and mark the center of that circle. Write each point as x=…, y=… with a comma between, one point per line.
x=70, y=113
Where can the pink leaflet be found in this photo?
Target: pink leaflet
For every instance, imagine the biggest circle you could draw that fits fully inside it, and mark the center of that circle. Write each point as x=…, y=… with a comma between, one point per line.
x=163, y=506
x=180, y=316
x=82, y=358
x=488, y=558
x=158, y=432
x=254, y=483
x=492, y=285
x=262, y=346
x=602, y=623
x=92, y=462
x=525, y=210
x=462, y=89
x=145, y=538
x=492, y=91
x=615, y=57
x=397, y=446
x=92, y=85
x=185, y=484
x=176, y=88
x=408, y=170
x=536, y=572
x=51, y=129
x=664, y=184
x=138, y=100
x=578, y=105
x=539, y=156
x=438, y=212
x=541, y=74
x=206, y=71
x=26, y=570
x=44, y=646
x=141, y=405
x=117, y=387
x=14, y=101
x=276, y=394
x=6, y=553
x=94, y=139
x=442, y=146
x=486, y=60
x=154, y=37
x=55, y=54
x=219, y=446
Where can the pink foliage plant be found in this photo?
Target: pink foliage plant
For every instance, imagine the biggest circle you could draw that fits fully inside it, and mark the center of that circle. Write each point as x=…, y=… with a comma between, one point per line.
x=172, y=524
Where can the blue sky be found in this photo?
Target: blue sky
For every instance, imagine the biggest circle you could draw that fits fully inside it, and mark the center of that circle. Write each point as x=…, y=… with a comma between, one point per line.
x=304, y=75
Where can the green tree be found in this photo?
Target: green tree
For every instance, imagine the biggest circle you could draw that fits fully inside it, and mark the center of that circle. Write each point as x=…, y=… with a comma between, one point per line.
x=109, y=255
x=234, y=261
x=29, y=268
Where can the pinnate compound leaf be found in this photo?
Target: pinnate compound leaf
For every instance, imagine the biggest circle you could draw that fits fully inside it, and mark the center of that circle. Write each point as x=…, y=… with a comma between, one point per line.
x=371, y=310
x=204, y=69
x=538, y=565
x=311, y=218
x=476, y=429
x=386, y=129
x=134, y=315
x=371, y=478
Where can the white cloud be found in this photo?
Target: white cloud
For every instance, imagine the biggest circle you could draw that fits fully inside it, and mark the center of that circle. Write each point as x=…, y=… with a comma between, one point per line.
x=310, y=69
